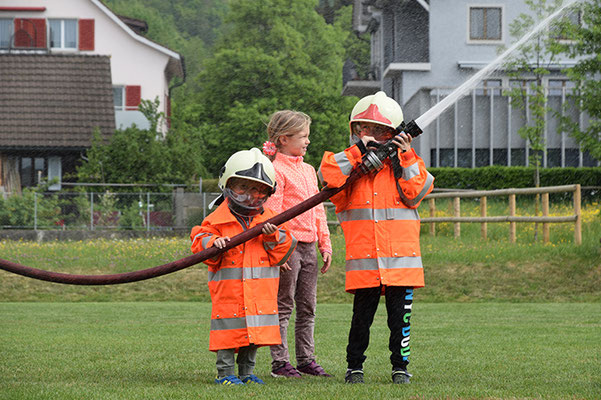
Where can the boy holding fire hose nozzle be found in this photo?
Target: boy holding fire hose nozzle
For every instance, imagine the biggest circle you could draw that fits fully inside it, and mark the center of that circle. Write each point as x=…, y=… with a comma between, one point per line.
x=377, y=213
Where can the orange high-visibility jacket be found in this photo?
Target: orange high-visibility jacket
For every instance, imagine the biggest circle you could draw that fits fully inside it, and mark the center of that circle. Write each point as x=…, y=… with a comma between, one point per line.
x=379, y=218
x=243, y=281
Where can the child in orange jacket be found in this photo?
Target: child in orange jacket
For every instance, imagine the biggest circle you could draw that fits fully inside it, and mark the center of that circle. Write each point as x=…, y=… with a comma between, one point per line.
x=243, y=280
x=378, y=216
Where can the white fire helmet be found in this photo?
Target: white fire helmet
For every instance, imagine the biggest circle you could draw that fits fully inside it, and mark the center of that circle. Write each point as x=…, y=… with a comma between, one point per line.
x=251, y=165
x=378, y=109
x=248, y=164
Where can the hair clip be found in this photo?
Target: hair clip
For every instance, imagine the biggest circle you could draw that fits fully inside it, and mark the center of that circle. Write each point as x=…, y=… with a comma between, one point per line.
x=269, y=148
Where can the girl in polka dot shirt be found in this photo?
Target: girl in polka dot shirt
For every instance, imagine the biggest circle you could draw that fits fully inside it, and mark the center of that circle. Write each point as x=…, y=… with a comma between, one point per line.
x=288, y=133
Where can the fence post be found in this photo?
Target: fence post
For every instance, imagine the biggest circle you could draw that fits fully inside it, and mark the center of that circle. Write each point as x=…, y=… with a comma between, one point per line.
x=91, y=211
x=545, y=203
x=179, y=204
x=512, y=214
x=432, y=205
x=457, y=213
x=35, y=211
x=147, y=211
x=483, y=226
x=577, y=212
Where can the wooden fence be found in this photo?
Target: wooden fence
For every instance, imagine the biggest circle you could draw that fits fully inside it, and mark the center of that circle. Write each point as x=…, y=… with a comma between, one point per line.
x=512, y=219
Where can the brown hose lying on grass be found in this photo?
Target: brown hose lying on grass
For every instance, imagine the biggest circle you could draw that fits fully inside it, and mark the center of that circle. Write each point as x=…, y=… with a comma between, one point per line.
x=134, y=276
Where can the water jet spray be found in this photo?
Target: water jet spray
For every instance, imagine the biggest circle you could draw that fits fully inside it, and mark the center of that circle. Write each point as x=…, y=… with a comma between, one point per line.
x=413, y=128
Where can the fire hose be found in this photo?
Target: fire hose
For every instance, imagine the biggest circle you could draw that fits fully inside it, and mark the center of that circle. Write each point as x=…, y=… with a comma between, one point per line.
x=372, y=161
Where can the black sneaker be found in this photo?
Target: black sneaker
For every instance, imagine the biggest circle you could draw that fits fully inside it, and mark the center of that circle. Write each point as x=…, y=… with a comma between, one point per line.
x=354, y=376
x=400, y=376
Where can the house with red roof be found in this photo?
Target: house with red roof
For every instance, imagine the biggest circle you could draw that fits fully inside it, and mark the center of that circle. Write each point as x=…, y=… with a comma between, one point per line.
x=70, y=68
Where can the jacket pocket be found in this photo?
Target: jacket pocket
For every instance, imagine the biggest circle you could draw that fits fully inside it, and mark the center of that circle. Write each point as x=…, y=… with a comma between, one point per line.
x=220, y=311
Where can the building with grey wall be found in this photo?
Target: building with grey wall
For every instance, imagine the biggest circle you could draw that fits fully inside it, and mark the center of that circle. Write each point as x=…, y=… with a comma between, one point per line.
x=422, y=50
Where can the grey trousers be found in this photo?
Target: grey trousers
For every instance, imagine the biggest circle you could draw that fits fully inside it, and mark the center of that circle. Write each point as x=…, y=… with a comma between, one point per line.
x=246, y=361
x=299, y=286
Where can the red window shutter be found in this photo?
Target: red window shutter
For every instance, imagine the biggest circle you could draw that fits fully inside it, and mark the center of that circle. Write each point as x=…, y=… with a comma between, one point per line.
x=40, y=32
x=86, y=34
x=132, y=97
x=30, y=32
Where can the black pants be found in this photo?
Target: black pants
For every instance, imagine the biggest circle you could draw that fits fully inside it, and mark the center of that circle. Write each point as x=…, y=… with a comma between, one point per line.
x=398, y=306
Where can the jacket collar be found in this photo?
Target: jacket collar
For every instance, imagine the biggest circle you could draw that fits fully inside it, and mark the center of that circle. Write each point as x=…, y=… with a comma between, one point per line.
x=223, y=215
x=288, y=159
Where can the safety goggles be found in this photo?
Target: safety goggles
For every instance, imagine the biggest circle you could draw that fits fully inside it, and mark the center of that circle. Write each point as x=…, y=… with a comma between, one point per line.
x=251, y=197
x=379, y=132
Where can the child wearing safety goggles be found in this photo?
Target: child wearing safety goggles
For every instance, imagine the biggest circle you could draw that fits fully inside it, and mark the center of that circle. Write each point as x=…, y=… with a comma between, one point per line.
x=243, y=281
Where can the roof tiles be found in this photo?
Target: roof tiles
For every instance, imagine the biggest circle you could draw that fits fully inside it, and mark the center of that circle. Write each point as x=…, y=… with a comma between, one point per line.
x=49, y=100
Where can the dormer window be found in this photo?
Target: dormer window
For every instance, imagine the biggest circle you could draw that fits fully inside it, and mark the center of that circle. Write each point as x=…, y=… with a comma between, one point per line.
x=63, y=34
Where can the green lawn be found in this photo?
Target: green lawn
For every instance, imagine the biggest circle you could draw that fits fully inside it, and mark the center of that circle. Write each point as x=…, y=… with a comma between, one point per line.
x=496, y=320
x=158, y=350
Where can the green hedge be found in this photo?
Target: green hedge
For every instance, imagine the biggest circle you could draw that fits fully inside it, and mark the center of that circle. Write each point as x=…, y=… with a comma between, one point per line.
x=496, y=177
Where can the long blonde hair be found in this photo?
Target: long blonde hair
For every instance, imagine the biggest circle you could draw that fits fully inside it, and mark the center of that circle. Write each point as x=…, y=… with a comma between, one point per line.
x=285, y=123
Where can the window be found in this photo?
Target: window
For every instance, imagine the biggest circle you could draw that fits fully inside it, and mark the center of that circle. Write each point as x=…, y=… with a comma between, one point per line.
x=464, y=158
x=560, y=31
x=6, y=32
x=486, y=88
x=572, y=157
x=485, y=23
x=63, y=33
x=553, y=158
x=127, y=98
x=447, y=158
x=588, y=160
x=119, y=97
x=482, y=157
x=32, y=171
x=499, y=157
x=557, y=86
x=518, y=157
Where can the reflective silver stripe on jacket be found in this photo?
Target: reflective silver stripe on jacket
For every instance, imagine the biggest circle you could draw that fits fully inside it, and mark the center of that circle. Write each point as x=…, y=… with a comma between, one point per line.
x=206, y=240
x=290, y=251
x=420, y=196
x=374, y=264
x=343, y=163
x=271, y=245
x=379, y=214
x=410, y=171
x=253, y=321
x=249, y=273
x=228, y=323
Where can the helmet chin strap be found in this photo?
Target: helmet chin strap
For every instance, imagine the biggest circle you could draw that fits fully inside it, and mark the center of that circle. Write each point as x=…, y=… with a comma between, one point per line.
x=236, y=204
x=243, y=210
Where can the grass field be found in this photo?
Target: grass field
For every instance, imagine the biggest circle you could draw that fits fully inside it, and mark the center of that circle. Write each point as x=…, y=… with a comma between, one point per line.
x=159, y=351
x=458, y=270
x=495, y=320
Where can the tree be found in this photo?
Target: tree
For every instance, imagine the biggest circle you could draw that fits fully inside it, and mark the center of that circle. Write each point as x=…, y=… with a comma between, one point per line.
x=189, y=27
x=529, y=66
x=585, y=46
x=136, y=155
x=272, y=54
x=357, y=46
